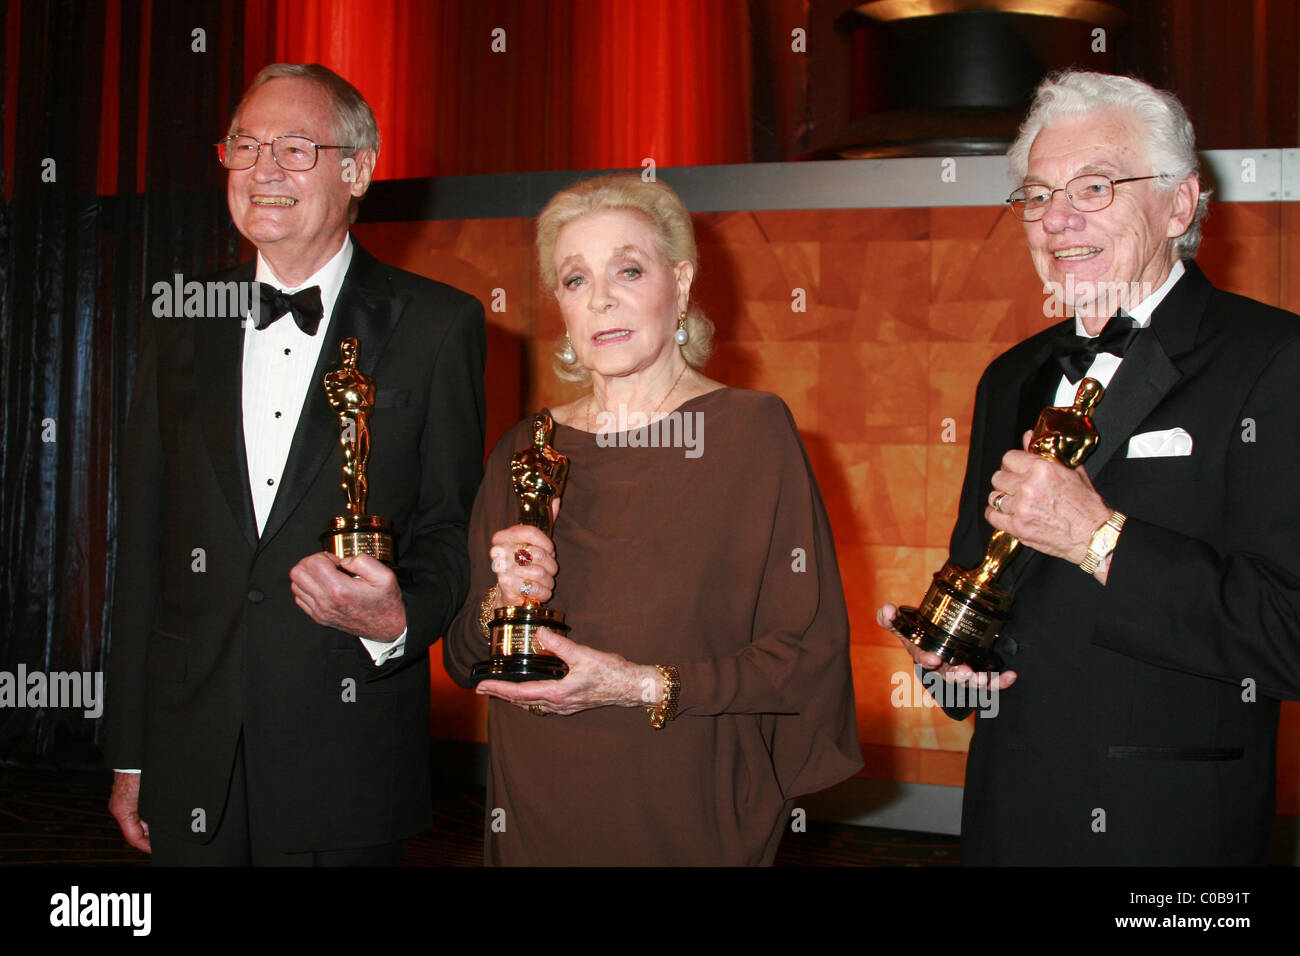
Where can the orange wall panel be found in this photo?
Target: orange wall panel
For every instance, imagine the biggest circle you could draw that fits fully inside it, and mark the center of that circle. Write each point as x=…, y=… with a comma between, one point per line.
x=903, y=310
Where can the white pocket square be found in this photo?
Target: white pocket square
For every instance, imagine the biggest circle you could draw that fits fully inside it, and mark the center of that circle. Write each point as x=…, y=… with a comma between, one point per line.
x=1170, y=443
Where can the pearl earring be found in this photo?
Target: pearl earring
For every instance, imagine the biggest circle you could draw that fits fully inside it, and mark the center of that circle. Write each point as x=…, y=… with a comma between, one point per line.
x=681, y=336
x=567, y=355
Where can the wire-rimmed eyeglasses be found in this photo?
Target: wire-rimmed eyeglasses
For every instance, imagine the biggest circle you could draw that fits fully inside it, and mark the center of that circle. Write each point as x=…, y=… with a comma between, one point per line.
x=1090, y=193
x=293, y=153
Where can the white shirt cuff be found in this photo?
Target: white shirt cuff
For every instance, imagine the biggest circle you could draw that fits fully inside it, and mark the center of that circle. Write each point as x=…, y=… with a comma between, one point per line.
x=115, y=770
x=382, y=651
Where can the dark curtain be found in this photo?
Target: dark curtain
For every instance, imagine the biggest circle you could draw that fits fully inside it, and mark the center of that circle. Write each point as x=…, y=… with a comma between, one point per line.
x=122, y=100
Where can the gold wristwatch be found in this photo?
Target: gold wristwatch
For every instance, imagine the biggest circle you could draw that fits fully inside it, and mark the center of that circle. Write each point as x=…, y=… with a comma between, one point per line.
x=1103, y=542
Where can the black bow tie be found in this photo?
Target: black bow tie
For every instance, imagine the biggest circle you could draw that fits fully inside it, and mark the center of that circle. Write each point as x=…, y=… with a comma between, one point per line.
x=304, y=305
x=1076, y=353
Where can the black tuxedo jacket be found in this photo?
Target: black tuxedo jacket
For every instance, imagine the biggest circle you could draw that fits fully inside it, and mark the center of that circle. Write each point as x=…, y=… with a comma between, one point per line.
x=207, y=641
x=1143, y=726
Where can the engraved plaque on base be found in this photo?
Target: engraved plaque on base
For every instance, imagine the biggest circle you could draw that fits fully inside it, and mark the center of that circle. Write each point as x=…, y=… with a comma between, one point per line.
x=347, y=535
x=516, y=655
x=538, y=474
x=963, y=612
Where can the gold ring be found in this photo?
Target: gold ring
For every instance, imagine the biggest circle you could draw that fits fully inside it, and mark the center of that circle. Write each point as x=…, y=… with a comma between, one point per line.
x=537, y=710
x=997, y=503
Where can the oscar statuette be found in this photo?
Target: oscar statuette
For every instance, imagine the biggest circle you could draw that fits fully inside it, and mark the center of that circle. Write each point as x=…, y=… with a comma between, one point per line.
x=964, y=610
x=352, y=394
x=538, y=474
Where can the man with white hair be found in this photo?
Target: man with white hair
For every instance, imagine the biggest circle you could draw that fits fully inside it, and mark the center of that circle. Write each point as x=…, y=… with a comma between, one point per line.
x=1156, y=621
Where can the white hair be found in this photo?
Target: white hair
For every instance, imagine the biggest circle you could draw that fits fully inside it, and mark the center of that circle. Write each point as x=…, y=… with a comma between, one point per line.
x=1170, y=139
x=354, y=122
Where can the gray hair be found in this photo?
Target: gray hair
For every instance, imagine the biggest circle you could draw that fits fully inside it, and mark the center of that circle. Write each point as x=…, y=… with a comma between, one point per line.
x=1170, y=139
x=354, y=121
x=657, y=203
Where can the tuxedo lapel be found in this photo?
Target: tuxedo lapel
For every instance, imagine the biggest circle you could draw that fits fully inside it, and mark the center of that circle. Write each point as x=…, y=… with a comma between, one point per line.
x=1016, y=399
x=218, y=375
x=1015, y=407
x=1037, y=391
x=368, y=310
x=1143, y=379
x=1148, y=372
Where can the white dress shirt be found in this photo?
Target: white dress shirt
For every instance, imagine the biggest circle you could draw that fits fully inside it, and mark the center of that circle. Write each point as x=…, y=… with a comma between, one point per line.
x=1105, y=365
x=277, y=373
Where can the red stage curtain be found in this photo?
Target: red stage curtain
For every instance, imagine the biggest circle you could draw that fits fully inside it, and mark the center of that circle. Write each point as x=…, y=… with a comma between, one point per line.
x=580, y=84
x=381, y=46
x=666, y=80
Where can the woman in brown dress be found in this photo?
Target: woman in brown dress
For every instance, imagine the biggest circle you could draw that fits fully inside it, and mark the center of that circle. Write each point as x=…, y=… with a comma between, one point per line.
x=708, y=682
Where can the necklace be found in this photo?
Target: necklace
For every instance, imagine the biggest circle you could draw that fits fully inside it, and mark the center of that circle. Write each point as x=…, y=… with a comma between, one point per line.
x=657, y=407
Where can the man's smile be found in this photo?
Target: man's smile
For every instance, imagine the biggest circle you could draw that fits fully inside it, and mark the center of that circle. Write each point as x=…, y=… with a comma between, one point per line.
x=1075, y=253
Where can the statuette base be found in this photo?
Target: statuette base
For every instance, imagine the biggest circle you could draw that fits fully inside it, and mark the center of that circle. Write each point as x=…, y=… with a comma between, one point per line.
x=351, y=535
x=959, y=619
x=516, y=652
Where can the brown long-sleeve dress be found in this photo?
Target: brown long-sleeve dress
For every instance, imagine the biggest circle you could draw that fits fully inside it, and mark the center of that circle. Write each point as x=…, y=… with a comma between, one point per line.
x=718, y=560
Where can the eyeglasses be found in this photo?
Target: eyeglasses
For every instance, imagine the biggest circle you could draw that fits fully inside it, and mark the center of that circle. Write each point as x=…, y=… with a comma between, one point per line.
x=293, y=153
x=1090, y=193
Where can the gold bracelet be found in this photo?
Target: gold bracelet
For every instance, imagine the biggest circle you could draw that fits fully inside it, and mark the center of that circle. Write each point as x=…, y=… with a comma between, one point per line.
x=485, y=611
x=667, y=708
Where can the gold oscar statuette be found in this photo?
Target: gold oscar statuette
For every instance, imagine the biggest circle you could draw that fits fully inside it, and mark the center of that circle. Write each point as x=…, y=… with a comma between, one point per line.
x=538, y=474
x=351, y=394
x=964, y=610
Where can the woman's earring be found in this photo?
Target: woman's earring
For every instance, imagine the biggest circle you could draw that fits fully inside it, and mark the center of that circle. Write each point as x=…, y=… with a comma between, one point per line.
x=681, y=336
x=567, y=355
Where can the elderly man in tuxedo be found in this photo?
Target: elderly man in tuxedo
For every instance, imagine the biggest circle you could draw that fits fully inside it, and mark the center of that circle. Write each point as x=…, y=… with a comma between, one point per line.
x=1156, y=622
x=268, y=701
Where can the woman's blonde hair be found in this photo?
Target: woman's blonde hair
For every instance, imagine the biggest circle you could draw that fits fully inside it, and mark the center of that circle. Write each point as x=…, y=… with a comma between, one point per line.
x=664, y=210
